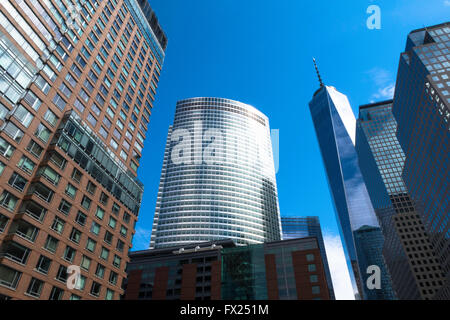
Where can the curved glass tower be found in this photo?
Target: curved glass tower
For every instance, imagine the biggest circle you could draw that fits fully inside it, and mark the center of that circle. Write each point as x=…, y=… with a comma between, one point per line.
x=218, y=176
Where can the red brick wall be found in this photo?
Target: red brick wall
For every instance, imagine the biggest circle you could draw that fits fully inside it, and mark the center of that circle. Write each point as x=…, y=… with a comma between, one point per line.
x=188, y=281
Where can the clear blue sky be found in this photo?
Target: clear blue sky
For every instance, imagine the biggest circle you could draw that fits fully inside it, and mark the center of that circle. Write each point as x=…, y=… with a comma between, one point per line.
x=259, y=52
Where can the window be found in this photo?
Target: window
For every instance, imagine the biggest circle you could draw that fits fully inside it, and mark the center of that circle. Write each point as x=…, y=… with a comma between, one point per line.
x=6, y=150
x=75, y=235
x=81, y=218
x=41, y=191
x=113, y=277
x=43, y=133
x=115, y=208
x=120, y=245
x=123, y=231
x=90, y=245
x=58, y=225
x=34, y=148
x=15, y=133
x=69, y=254
x=91, y=187
x=109, y=294
x=2, y=167
x=3, y=222
x=43, y=264
x=86, y=203
x=95, y=289
x=17, y=181
x=311, y=267
x=75, y=297
x=104, y=198
x=81, y=284
x=56, y=294
x=76, y=175
x=49, y=174
x=23, y=116
x=62, y=274
x=85, y=263
x=71, y=191
x=51, y=118
x=100, y=271
x=51, y=244
x=104, y=254
x=310, y=257
x=108, y=237
x=57, y=160
x=8, y=200
x=313, y=279
x=26, y=164
x=16, y=252
x=64, y=207
x=9, y=277
x=112, y=222
x=126, y=217
x=100, y=213
x=315, y=289
x=116, y=262
x=95, y=228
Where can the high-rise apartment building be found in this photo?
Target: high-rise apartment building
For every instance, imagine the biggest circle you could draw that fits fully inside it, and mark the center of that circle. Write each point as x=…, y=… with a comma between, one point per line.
x=302, y=227
x=335, y=125
x=422, y=110
x=414, y=270
x=218, y=176
x=219, y=270
x=77, y=85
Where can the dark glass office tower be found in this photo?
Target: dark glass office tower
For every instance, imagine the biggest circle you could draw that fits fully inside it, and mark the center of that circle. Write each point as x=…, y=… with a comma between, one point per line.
x=414, y=270
x=335, y=124
x=302, y=227
x=422, y=110
x=77, y=85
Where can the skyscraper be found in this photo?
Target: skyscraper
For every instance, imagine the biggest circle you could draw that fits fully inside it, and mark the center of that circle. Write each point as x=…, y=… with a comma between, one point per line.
x=413, y=267
x=218, y=176
x=77, y=85
x=302, y=227
x=335, y=125
x=422, y=110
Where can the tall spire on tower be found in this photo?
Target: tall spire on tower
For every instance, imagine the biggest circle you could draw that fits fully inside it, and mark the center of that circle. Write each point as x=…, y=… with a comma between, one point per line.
x=318, y=73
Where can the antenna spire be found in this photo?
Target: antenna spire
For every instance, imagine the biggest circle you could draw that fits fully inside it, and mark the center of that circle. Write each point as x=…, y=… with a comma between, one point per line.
x=318, y=73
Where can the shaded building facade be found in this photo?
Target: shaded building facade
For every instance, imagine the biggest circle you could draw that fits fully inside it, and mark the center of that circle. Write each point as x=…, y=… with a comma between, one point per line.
x=422, y=110
x=415, y=271
x=220, y=270
x=218, y=176
x=302, y=227
x=335, y=126
x=77, y=87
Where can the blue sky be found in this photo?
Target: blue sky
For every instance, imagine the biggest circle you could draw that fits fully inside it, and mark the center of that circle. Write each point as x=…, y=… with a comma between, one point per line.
x=260, y=52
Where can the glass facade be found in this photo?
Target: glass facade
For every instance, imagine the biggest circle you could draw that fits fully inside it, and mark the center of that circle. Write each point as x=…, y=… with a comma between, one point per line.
x=77, y=84
x=422, y=110
x=302, y=227
x=218, y=176
x=381, y=159
x=335, y=126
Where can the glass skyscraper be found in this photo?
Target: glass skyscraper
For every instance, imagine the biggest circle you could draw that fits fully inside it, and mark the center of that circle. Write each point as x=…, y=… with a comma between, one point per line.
x=422, y=110
x=335, y=125
x=302, y=227
x=406, y=245
x=218, y=176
